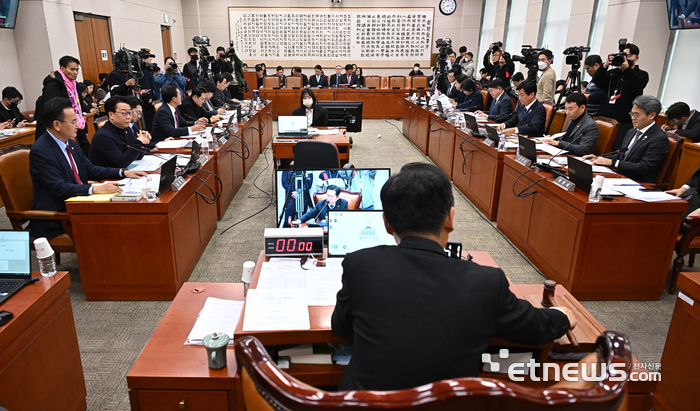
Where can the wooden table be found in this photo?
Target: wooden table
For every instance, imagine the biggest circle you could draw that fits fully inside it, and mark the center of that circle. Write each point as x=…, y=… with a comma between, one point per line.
x=25, y=137
x=612, y=250
x=680, y=364
x=141, y=250
x=283, y=149
x=40, y=366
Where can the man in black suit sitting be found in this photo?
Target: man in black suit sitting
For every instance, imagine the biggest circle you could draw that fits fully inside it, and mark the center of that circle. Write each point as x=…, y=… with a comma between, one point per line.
x=644, y=147
x=110, y=144
x=60, y=170
x=417, y=316
x=320, y=212
x=349, y=78
x=319, y=80
x=168, y=122
x=530, y=118
x=501, y=105
x=582, y=131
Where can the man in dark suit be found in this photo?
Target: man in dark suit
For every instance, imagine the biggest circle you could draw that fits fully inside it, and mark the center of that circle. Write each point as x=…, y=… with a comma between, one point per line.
x=530, y=118
x=110, y=143
x=501, y=105
x=644, y=147
x=687, y=122
x=168, y=121
x=192, y=108
x=417, y=316
x=320, y=212
x=317, y=116
x=349, y=78
x=582, y=131
x=60, y=170
x=335, y=78
x=319, y=80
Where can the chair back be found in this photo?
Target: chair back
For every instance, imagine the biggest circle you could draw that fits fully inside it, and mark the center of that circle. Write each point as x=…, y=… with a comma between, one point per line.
x=354, y=199
x=16, y=184
x=607, y=130
x=29, y=115
x=549, y=108
x=292, y=82
x=372, y=81
x=266, y=387
x=419, y=82
x=397, y=82
x=385, y=82
x=668, y=166
x=271, y=82
x=315, y=155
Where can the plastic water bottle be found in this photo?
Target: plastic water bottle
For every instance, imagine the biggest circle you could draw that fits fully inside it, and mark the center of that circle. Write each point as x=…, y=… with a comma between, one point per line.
x=46, y=257
x=596, y=187
x=501, y=143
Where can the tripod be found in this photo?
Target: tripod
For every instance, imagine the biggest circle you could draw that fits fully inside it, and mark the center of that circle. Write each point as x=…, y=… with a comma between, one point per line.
x=573, y=84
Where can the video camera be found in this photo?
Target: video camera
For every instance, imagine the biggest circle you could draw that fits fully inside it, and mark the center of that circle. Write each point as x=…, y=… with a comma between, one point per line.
x=528, y=56
x=128, y=62
x=574, y=55
x=621, y=57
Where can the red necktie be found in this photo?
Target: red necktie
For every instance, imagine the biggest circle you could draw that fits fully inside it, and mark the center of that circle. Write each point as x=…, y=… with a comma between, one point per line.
x=72, y=164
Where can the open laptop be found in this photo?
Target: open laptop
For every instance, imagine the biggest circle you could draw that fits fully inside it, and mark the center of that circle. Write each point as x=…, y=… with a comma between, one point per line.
x=15, y=271
x=580, y=173
x=167, y=173
x=292, y=127
x=353, y=230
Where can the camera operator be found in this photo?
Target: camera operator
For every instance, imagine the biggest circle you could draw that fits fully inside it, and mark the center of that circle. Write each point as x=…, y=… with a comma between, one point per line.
x=547, y=83
x=499, y=64
x=171, y=74
x=622, y=85
x=221, y=65
x=149, y=91
x=593, y=93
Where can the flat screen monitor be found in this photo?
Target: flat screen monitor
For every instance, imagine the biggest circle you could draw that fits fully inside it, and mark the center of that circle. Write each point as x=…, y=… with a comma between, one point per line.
x=683, y=14
x=346, y=114
x=8, y=13
x=350, y=231
x=298, y=191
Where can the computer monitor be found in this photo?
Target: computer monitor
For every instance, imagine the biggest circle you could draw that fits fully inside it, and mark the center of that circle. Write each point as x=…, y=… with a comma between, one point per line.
x=350, y=231
x=346, y=114
x=528, y=148
x=366, y=181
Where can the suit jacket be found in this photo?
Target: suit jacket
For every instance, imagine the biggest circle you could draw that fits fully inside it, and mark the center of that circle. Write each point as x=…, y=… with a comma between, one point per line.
x=323, y=83
x=164, y=125
x=473, y=102
x=642, y=161
x=581, y=140
x=320, y=115
x=321, y=210
x=192, y=112
x=693, y=130
x=106, y=151
x=417, y=316
x=334, y=81
x=344, y=80
x=501, y=110
x=530, y=123
x=54, y=181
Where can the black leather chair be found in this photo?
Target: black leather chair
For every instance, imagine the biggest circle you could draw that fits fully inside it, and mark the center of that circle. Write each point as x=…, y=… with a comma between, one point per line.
x=315, y=155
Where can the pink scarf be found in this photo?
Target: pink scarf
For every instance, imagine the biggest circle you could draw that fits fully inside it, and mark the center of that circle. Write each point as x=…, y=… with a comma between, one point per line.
x=72, y=88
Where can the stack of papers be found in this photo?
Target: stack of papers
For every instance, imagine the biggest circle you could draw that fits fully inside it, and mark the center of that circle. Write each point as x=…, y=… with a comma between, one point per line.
x=217, y=316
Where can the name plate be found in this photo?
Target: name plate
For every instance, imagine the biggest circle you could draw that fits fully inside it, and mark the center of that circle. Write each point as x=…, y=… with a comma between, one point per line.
x=489, y=142
x=177, y=183
x=523, y=160
x=562, y=182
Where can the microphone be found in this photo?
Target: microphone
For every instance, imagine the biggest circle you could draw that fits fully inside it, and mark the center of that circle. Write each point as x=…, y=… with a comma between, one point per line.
x=612, y=153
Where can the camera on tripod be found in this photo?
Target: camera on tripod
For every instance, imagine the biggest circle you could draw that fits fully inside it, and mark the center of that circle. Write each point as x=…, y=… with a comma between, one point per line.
x=128, y=62
x=528, y=56
x=621, y=57
x=574, y=55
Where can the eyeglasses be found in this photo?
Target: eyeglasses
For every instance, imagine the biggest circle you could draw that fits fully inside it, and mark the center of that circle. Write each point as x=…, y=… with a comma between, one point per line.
x=634, y=115
x=125, y=113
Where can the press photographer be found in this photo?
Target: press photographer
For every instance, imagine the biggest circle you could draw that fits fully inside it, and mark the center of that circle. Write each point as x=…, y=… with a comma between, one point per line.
x=624, y=82
x=499, y=64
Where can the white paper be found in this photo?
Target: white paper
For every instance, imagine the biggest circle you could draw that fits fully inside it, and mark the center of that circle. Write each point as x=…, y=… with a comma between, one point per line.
x=172, y=144
x=217, y=316
x=273, y=310
x=322, y=285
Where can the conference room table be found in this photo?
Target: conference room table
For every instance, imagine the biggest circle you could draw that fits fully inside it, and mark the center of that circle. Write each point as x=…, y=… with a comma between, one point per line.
x=169, y=373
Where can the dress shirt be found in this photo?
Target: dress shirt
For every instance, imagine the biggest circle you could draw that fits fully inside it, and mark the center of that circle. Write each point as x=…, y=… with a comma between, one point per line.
x=177, y=123
x=524, y=110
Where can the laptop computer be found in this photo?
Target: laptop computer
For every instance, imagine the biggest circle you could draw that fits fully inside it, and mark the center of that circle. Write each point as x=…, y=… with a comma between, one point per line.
x=353, y=230
x=580, y=173
x=167, y=172
x=15, y=271
x=292, y=127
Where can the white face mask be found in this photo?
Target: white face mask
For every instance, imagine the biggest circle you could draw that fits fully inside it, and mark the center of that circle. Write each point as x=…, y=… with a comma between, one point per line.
x=541, y=65
x=308, y=102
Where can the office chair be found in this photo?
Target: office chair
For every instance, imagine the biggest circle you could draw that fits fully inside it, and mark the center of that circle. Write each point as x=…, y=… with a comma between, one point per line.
x=266, y=387
x=315, y=155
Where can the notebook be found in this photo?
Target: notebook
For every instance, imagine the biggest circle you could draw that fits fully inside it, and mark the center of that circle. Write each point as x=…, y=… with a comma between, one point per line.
x=292, y=127
x=353, y=230
x=15, y=271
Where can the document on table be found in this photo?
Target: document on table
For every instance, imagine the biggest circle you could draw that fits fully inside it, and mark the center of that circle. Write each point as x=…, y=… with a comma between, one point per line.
x=217, y=316
x=149, y=162
x=274, y=310
x=172, y=144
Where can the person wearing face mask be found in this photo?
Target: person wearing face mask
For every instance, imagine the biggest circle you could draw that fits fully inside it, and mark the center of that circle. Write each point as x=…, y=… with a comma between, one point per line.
x=416, y=71
x=547, y=84
x=685, y=122
x=190, y=68
x=622, y=85
x=221, y=65
x=11, y=97
x=316, y=116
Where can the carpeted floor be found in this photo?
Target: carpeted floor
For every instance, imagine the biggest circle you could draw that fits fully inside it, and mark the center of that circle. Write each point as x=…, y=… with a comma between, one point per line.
x=112, y=334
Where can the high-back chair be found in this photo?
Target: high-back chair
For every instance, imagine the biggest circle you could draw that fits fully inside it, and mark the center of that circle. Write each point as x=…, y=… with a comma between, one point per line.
x=267, y=388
